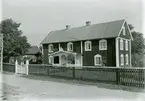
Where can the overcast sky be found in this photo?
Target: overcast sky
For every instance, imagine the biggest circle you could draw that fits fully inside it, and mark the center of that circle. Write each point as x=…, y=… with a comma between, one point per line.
x=39, y=17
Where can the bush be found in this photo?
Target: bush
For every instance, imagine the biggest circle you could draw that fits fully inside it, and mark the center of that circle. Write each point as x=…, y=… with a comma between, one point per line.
x=138, y=60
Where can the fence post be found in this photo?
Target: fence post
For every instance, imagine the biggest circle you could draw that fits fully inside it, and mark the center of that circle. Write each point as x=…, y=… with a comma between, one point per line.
x=16, y=66
x=73, y=71
x=117, y=76
x=48, y=70
x=27, y=67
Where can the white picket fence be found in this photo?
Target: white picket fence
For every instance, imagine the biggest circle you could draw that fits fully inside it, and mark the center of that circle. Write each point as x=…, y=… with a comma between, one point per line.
x=22, y=68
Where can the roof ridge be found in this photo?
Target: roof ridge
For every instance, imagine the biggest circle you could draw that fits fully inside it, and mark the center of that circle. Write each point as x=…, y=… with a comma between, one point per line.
x=90, y=25
x=110, y=27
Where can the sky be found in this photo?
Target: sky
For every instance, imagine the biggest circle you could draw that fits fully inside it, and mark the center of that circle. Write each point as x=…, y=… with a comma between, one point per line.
x=39, y=17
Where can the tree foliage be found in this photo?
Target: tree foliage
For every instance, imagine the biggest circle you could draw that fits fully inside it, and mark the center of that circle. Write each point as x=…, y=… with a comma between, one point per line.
x=15, y=44
x=137, y=48
x=71, y=59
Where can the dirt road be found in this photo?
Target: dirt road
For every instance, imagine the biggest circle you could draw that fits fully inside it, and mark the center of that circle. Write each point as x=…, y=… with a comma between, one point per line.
x=16, y=88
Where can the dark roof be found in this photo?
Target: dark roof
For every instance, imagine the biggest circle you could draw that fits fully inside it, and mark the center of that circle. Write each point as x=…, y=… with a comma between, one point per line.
x=33, y=50
x=94, y=31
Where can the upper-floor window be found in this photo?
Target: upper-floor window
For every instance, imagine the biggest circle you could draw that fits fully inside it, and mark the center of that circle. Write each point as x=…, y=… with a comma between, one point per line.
x=126, y=58
x=126, y=44
x=70, y=46
x=103, y=45
x=88, y=46
x=50, y=48
x=122, y=59
x=121, y=44
x=123, y=30
x=98, y=59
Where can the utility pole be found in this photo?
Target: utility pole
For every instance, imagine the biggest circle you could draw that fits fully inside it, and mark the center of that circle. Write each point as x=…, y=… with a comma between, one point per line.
x=1, y=52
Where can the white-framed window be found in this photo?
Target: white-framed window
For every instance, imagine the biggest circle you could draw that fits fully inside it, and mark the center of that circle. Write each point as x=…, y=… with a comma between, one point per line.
x=123, y=30
x=50, y=59
x=70, y=46
x=97, y=59
x=88, y=46
x=50, y=48
x=126, y=44
x=103, y=44
x=126, y=58
x=122, y=59
x=121, y=44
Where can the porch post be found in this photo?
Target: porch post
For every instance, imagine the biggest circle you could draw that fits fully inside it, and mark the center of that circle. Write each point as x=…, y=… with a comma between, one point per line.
x=81, y=53
x=59, y=59
x=75, y=59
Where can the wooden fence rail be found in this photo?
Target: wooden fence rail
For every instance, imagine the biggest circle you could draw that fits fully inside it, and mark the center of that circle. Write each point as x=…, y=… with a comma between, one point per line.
x=134, y=77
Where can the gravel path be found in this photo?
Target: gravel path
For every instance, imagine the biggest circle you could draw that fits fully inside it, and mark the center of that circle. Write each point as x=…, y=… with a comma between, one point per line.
x=16, y=88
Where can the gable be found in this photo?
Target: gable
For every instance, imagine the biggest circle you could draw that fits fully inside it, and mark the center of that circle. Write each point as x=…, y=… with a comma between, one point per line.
x=128, y=34
x=94, y=31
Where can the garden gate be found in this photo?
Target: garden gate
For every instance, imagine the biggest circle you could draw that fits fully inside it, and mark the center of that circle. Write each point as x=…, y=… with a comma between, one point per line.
x=21, y=68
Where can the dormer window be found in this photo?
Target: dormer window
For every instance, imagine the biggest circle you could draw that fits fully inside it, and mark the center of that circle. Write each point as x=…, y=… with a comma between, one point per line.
x=50, y=48
x=123, y=30
x=88, y=46
x=70, y=46
x=121, y=44
x=103, y=45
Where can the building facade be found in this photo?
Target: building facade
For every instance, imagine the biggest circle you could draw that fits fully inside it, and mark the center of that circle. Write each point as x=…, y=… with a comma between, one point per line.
x=105, y=44
x=34, y=55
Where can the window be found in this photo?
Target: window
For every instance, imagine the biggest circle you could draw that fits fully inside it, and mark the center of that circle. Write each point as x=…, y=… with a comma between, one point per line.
x=121, y=44
x=88, y=46
x=123, y=30
x=34, y=59
x=70, y=46
x=50, y=59
x=126, y=45
x=126, y=58
x=122, y=59
x=103, y=45
x=98, y=59
x=56, y=59
x=50, y=48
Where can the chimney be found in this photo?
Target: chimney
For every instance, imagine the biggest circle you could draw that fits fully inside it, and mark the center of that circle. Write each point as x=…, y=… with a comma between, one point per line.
x=67, y=26
x=88, y=23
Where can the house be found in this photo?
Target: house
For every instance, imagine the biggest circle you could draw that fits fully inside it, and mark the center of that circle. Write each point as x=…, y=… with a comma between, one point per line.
x=33, y=54
x=104, y=44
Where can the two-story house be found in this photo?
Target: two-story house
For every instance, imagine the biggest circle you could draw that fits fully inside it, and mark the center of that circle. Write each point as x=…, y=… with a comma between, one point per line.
x=103, y=44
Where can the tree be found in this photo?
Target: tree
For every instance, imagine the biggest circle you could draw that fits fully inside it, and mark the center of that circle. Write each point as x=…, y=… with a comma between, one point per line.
x=14, y=43
x=71, y=59
x=137, y=48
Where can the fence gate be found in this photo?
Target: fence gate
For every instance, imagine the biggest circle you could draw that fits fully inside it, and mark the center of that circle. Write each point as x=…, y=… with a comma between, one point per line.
x=21, y=68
